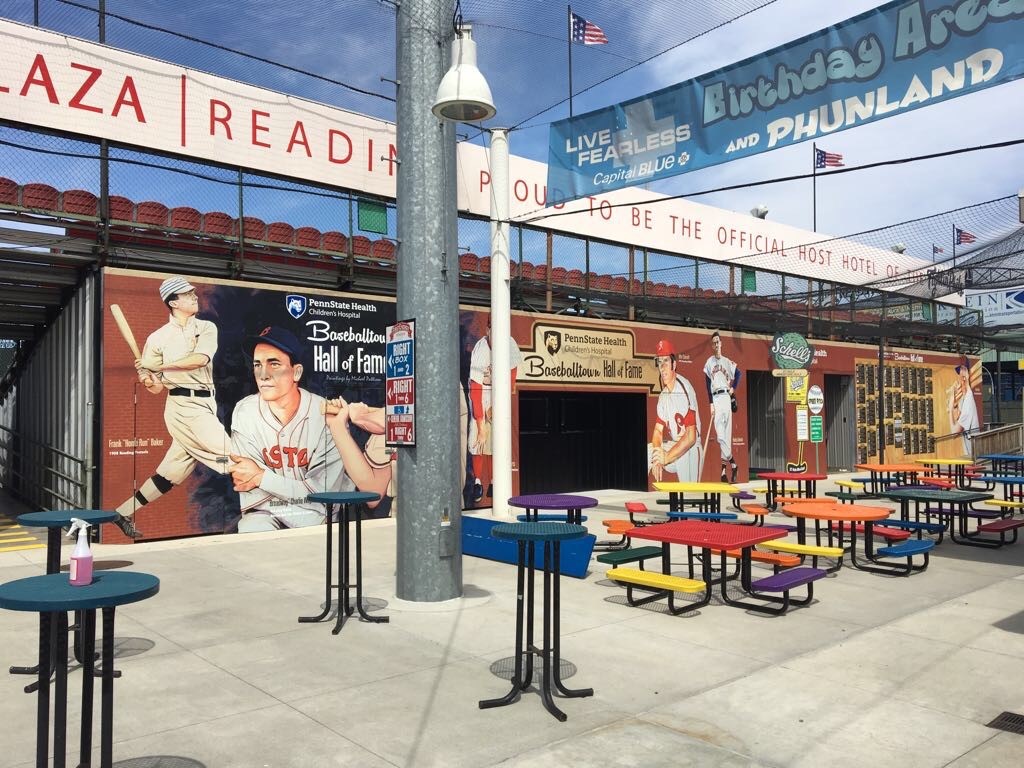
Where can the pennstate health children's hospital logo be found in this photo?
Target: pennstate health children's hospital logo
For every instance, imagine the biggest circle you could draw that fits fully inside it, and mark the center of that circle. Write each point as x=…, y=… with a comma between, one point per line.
x=552, y=342
x=296, y=305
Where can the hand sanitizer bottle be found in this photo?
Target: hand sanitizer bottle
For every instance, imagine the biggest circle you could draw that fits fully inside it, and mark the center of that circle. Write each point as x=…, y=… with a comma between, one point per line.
x=81, y=558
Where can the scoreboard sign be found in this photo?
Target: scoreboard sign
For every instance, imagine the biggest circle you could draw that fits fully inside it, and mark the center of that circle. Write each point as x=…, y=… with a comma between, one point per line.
x=400, y=383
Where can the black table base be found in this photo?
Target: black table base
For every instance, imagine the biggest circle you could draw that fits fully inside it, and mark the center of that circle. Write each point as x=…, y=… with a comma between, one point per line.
x=550, y=649
x=345, y=607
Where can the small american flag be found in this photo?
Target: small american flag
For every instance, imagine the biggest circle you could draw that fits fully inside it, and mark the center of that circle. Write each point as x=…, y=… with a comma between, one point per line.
x=823, y=159
x=586, y=32
x=936, y=250
x=963, y=237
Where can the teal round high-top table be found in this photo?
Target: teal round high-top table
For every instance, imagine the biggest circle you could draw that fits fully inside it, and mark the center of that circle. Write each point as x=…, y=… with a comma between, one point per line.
x=527, y=536
x=52, y=596
x=350, y=504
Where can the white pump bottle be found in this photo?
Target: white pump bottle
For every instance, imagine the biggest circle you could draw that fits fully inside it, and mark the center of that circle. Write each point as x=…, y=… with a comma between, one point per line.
x=81, y=558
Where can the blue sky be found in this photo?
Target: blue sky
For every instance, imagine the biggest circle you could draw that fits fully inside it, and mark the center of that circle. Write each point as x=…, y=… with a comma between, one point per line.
x=522, y=51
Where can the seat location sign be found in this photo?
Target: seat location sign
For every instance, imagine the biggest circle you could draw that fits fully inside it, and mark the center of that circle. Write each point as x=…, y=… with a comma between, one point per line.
x=400, y=383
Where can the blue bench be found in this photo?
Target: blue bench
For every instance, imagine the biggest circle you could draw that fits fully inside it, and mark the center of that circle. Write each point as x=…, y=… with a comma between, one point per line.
x=719, y=516
x=783, y=582
x=478, y=542
x=548, y=517
x=909, y=549
x=913, y=525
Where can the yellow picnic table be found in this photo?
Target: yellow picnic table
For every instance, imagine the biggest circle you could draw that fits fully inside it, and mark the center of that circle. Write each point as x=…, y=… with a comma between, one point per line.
x=711, y=494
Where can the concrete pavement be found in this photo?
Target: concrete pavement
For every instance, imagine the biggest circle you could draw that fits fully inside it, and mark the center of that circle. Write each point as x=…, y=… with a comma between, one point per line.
x=878, y=671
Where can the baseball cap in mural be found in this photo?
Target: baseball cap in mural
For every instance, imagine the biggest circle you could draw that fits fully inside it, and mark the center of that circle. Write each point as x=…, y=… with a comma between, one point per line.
x=277, y=337
x=174, y=285
x=664, y=348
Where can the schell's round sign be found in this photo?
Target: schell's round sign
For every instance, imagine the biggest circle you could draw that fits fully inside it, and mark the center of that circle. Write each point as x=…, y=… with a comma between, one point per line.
x=791, y=350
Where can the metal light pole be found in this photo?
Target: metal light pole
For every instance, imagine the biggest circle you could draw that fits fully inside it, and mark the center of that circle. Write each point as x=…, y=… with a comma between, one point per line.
x=501, y=366
x=429, y=555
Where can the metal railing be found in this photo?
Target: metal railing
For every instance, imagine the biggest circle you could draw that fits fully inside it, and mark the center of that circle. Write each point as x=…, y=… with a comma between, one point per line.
x=1008, y=439
x=41, y=475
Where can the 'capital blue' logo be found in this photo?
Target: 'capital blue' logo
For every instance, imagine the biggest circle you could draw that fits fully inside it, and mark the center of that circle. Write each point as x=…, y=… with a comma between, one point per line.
x=296, y=305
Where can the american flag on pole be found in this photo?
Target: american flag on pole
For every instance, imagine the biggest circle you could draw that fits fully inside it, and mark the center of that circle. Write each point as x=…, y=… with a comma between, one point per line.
x=823, y=159
x=586, y=32
x=963, y=237
x=936, y=250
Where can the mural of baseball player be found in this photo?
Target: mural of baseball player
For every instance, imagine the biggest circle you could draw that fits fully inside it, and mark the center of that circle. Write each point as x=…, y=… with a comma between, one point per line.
x=288, y=442
x=722, y=377
x=963, y=410
x=675, y=442
x=480, y=401
x=178, y=358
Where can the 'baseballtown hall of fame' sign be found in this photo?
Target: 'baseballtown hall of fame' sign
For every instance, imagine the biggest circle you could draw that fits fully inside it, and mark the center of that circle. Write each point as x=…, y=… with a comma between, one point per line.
x=400, y=383
x=581, y=355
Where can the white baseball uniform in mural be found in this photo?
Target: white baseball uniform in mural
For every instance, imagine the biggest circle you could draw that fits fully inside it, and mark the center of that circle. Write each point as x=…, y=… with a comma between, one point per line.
x=480, y=389
x=299, y=458
x=966, y=422
x=677, y=410
x=721, y=376
x=190, y=411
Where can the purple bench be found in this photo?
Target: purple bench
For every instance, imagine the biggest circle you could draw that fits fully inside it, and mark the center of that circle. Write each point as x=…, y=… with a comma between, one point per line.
x=784, y=581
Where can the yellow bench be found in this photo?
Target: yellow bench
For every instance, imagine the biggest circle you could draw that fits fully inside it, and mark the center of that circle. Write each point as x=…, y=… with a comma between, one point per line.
x=665, y=585
x=852, y=485
x=806, y=550
x=655, y=580
x=1005, y=503
x=810, y=550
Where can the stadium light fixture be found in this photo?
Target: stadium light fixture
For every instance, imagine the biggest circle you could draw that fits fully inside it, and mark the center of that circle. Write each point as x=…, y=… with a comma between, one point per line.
x=463, y=95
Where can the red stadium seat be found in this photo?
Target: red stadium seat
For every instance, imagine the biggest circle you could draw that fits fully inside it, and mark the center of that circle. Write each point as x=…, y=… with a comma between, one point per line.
x=9, y=192
x=281, y=233
x=619, y=284
x=252, y=228
x=362, y=248
x=574, y=277
x=309, y=237
x=526, y=270
x=469, y=262
x=335, y=242
x=602, y=283
x=152, y=213
x=660, y=290
x=636, y=287
x=79, y=202
x=674, y=291
x=41, y=196
x=121, y=208
x=558, y=275
x=485, y=264
x=184, y=217
x=218, y=224
x=384, y=251
x=685, y=292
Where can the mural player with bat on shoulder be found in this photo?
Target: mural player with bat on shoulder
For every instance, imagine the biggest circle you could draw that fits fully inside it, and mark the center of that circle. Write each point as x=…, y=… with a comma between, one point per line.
x=289, y=442
x=178, y=359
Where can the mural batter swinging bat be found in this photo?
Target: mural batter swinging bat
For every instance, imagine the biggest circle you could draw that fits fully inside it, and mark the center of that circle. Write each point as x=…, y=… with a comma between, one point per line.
x=126, y=333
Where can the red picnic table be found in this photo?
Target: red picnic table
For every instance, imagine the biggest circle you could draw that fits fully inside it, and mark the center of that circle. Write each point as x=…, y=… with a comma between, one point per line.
x=724, y=538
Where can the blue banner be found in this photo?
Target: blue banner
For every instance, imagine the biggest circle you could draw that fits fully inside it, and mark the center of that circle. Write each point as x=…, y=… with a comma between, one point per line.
x=892, y=59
